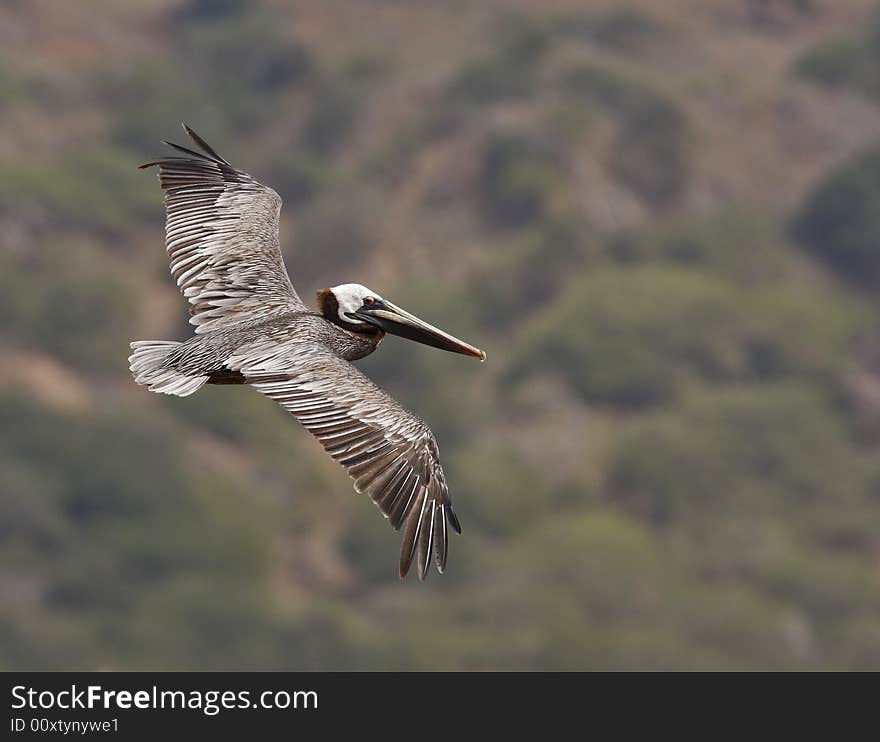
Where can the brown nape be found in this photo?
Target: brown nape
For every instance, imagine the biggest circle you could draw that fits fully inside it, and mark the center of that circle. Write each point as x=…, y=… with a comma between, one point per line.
x=329, y=306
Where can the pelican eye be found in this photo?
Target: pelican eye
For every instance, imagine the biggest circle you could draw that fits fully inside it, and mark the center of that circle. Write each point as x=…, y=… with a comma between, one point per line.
x=369, y=301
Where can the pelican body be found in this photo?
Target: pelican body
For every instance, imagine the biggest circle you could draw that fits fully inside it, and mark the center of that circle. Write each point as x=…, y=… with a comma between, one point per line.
x=252, y=328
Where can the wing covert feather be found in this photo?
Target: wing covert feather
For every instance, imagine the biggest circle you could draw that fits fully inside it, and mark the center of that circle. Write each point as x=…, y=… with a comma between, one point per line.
x=390, y=453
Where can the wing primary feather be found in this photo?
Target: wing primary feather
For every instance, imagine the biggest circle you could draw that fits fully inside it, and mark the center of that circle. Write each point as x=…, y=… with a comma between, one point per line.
x=426, y=537
x=408, y=547
x=398, y=510
x=441, y=540
x=398, y=492
x=204, y=145
x=390, y=453
x=452, y=518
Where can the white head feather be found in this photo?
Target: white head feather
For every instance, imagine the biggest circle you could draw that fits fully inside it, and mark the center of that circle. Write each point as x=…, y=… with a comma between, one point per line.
x=350, y=297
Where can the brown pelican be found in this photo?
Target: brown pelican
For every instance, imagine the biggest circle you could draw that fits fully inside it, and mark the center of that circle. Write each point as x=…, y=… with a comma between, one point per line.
x=221, y=234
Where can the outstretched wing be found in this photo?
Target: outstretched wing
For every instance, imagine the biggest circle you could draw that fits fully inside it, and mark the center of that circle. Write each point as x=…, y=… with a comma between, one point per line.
x=389, y=453
x=221, y=233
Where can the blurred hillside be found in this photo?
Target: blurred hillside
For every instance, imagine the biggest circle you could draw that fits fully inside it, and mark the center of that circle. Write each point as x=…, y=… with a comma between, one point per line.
x=660, y=219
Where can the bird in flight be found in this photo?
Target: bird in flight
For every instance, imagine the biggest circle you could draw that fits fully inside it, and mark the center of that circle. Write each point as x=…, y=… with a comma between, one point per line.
x=251, y=327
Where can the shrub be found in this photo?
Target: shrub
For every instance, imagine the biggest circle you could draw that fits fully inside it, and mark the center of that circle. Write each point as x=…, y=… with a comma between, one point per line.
x=633, y=337
x=651, y=154
x=250, y=54
x=521, y=176
x=233, y=71
x=622, y=337
x=298, y=176
x=201, y=11
x=840, y=63
x=762, y=451
x=746, y=246
x=509, y=70
x=148, y=102
x=333, y=232
x=622, y=30
x=489, y=80
x=852, y=62
x=10, y=88
x=528, y=270
x=98, y=188
x=102, y=490
x=335, y=106
x=504, y=494
x=840, y=220
x=51, y=305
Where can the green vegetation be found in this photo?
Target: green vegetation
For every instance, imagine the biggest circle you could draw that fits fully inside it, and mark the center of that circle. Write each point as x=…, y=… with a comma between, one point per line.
x=52, y=303
x=96, y=188
x=509, y=70
x=94, y=522
x=643, y=350
x=332, y=118
x=300, y=176
x=248, y=59
x=840, y=221
x=623, y=30
x=748, y=247
x=771, y=447
x=521, y=175
x=536, y=264
x=10, y=88
x=232, y=67
x=848, y=62
x=651, y=155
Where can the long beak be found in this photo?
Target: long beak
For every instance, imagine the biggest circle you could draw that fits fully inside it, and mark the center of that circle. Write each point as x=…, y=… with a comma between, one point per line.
x=396, y=321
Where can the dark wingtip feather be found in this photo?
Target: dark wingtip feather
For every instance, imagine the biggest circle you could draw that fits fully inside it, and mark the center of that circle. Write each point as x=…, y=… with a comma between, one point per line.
x=452, y=518
x=406, y=560
x=407, y=548
x=441, y=541
x=207, y=148
x=426, y=538
x=187, y=151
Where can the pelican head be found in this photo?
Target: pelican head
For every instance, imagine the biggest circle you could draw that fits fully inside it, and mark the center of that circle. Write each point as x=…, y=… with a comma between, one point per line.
x=360, y=309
